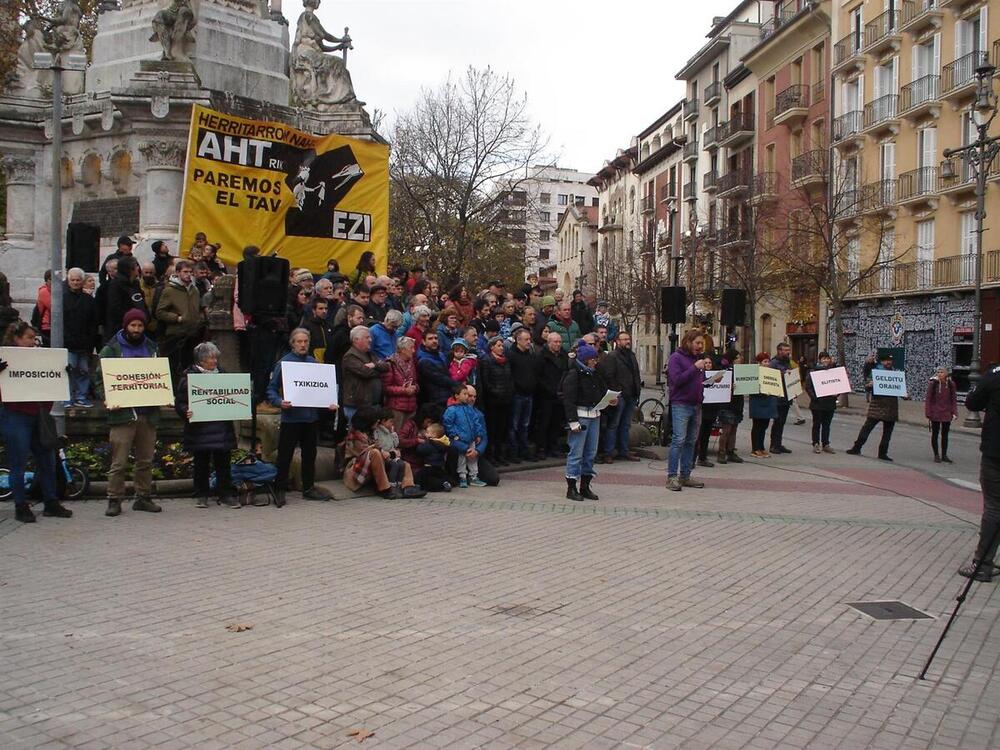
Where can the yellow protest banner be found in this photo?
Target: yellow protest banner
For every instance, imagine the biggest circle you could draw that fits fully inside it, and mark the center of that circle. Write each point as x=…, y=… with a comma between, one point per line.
x=136, y=381
x=770, y=382
x=306, y=197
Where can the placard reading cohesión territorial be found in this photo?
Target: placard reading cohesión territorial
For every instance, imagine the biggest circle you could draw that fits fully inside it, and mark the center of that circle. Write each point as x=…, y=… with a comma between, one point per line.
x=217, y=397
x=308, y=384
x=136, y=381
x=34, y=374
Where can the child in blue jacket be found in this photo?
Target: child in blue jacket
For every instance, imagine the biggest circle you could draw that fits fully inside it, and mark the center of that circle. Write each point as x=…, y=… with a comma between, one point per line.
x=466, y=428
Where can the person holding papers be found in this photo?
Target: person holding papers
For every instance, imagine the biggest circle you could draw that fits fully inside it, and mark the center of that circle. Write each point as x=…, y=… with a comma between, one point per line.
x=686, y=382
x=20, y=431
x=822, y=408
x=208, y=442
x=884, y=409
x=298, y=425
x=763, y=409
x=583, y=389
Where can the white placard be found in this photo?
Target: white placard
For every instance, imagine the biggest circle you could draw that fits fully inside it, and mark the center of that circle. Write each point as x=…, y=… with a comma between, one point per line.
x=721, y=392
x=830, y=382
x=34, y=374
x=793, y=383
x=889, y=383
x=308, y=384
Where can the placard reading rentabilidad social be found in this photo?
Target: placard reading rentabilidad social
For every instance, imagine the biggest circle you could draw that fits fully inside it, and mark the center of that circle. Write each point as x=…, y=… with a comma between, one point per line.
x=34, y=374
x=136, y=381
x=308, y=384
x=889, y=383
x=218, y=397
x=830, y=382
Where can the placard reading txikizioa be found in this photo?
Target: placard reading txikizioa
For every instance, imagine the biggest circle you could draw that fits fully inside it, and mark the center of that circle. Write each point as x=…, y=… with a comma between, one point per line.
x=793, y=383
x=308, y=384
x=830, y=382
x=770, y=382
x=721, y=392
x=746, y=380
x=34, y=374
x=309, y=198
x=217, y=397
x=889, y=383
x=136, y=381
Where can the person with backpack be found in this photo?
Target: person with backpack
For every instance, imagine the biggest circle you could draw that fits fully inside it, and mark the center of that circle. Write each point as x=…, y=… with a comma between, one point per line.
x=941, y=409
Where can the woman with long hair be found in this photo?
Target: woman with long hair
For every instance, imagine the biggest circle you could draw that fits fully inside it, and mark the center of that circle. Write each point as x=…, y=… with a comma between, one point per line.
x=20, y=429
x=941, y=409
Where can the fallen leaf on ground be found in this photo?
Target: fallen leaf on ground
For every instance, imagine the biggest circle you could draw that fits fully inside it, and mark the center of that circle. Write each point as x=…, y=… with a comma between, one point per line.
x=361, y=734
x=239, y=627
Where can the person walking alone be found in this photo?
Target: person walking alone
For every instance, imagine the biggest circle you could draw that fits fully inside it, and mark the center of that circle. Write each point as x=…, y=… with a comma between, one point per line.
x=941, y=409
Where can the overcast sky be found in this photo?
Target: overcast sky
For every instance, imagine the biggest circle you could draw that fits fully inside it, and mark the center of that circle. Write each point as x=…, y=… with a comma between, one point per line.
x=596, y=73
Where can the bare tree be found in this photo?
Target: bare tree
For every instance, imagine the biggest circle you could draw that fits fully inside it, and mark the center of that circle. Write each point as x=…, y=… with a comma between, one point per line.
x=458, y=155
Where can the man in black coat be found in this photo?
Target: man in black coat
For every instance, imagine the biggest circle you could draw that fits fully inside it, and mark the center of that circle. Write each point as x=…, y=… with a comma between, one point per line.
x=79, y=335
x=549, y=422
x=432, y=367
x=620, y=370
x=123, y=295
x=986, y=397
x=524, y=370
x=582, y=313
x=124, y=250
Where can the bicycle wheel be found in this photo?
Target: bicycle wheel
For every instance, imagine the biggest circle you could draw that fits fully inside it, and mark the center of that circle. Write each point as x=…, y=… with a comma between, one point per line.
x=651, y=411
x=5, y=491
x=77, y=487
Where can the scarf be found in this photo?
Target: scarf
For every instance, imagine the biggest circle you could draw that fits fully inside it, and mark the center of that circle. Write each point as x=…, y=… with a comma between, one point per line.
x=500, y=358
x=201, y=369
x=130, y=350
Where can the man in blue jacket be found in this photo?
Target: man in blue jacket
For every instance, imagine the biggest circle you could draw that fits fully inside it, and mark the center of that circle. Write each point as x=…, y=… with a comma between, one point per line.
x=384, y=334
x=435, y=383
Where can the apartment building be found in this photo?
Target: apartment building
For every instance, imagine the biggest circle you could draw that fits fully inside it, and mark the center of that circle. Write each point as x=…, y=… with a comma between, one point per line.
x=720, y=119
x=791, y=64
x=904, y=77
x=549, y=192
x=576, y=240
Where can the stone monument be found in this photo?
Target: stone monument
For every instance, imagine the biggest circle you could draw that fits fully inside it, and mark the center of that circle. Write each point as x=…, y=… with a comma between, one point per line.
x=125, y=125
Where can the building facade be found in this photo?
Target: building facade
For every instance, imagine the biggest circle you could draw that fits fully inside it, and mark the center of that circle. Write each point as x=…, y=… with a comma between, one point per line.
x=576, y=257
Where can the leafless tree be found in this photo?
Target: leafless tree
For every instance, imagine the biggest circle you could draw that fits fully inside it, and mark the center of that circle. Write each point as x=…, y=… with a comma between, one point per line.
x=457, y=156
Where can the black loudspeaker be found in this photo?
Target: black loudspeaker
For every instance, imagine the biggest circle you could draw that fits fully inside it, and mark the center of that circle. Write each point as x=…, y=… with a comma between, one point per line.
x=83, y=246
x=263, y=285
x=734, y=307
x=673, y=304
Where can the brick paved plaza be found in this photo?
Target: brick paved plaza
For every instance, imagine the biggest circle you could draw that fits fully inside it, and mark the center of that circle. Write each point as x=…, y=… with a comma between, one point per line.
x=509, y=617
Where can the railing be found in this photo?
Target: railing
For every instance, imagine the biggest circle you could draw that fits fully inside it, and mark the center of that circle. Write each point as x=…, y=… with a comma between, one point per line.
x=713, y=91
x=884, y=25
x=879, y=195
x=920, y=91
x=847, y=47
x=691, y=149
x=791, y=98
x=810, y=164
x=711, y=136
x=881, y=109
x=913, y=10
x=846, y=125
x=847, y=204
x=691, y=107
x=764, y=183
x=962, y=71
x=771, y=26
x=939, y=273
x=737, y=232
x=963, y=171
x=738, y=178
x=609, y=220
x=649, y=202
x=918, y=182
x=710, y=180
x=738, y=123
x=690, y=190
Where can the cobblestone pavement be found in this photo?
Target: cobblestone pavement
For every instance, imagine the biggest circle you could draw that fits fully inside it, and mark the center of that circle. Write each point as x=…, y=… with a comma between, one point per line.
x=509, y=617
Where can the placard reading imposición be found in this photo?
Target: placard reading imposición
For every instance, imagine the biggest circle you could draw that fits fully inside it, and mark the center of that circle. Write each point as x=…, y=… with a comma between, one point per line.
x=34, y=374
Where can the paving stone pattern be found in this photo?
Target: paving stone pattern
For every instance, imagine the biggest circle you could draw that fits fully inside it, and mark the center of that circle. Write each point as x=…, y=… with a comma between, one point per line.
x=503, y=618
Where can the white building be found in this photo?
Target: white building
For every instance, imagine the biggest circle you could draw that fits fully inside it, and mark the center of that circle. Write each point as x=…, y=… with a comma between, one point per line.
x=576, y=240
x=550, y=192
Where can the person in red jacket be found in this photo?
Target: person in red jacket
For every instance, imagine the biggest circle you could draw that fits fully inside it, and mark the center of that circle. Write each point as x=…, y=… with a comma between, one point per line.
x=44, y=304
x=19, y=429
x=400, y=384
x=941, y=409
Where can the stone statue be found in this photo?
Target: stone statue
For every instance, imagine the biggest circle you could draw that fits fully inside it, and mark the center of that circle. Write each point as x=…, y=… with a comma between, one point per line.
x=320, y=81
x=172, y=29
x=64, y=29
x=26, y=80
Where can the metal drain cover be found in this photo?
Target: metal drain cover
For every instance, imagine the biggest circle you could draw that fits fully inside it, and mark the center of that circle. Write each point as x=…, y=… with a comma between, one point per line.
x=889, y=611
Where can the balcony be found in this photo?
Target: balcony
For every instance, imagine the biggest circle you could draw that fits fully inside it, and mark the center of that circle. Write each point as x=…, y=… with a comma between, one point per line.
x=690, y=191
x=691, y=107
x=764, y=188
x=963, y=181
x=734, y=183
x=775, y=23
x=882, y=114
x=847, y=129
x=610, y=223
x=920, y=16
x=731, y=235
x=847, y=53
x=949, y=272
x=810, y=168
x=739, y=128
x=921, y=97
x=883, y=33
x=710, y=182
x=918, y=187
x=713, y=93
x=649, y=203
x=691, y=150
x=711, y=138
x=879, y=197
x=958, y=78
x=791, y=106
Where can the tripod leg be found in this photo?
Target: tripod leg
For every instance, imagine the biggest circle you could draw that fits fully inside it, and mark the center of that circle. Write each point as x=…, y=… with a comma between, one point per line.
x=958, y=603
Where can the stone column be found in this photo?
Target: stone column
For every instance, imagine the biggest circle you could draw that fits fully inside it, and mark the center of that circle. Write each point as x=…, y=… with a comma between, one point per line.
x=161, y=209
x=20, y=173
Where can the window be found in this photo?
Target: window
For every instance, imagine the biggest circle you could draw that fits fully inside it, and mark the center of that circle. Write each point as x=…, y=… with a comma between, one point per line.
x=563, y=200
x=543, y=235
x=545, y=216
x=925, y=253
x=545, y=198
x=543, y=253
x=886, y=255
x=887, y=161
x=926, y=61
x=967, y=243
x=818, y=64
x=580, y=200
x=561, y=213
x=853, y=258
x=857, y=28
x=518, y=235
x=595, y=202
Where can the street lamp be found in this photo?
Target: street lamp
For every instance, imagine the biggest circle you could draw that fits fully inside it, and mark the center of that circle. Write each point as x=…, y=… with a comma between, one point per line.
x=979, y=155
x=57, y=63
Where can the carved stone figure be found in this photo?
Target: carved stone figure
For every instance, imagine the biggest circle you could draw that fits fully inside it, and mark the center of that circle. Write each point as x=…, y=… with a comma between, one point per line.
x=320, y=81
x=172, y=29
x=26, y=80
x=64, y=29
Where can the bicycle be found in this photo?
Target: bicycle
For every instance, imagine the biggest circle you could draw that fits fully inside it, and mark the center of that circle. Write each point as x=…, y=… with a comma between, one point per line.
x=76, y=479
x=652, y=414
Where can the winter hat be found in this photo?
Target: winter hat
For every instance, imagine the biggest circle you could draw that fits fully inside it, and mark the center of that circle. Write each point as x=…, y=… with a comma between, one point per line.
x=548, y=301
x=585, y=352
x=461, y=343
x=303, y=274
x=133, y=314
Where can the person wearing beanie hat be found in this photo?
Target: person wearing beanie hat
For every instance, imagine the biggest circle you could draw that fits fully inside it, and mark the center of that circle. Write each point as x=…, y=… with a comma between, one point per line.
x=130, y=429
x=583, y=387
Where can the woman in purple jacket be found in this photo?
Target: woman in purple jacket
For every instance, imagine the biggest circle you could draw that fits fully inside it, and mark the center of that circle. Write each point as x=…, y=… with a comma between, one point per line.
x=686, y=383
x=941, y=408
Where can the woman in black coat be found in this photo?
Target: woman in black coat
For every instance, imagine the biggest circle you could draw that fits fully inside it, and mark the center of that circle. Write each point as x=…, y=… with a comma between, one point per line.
x=209, y=442
x=496, y=385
